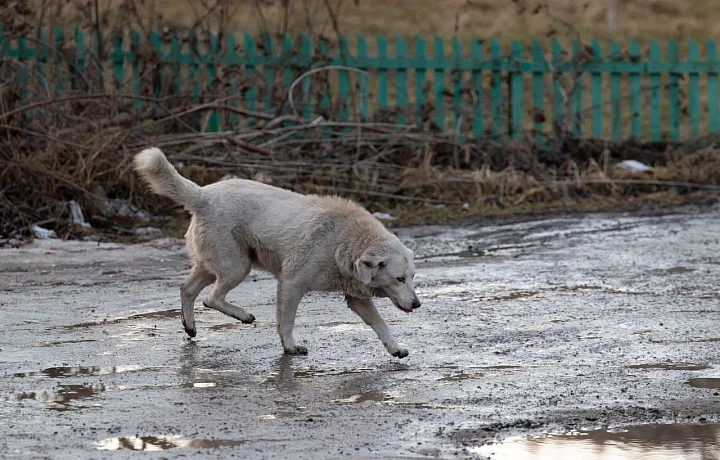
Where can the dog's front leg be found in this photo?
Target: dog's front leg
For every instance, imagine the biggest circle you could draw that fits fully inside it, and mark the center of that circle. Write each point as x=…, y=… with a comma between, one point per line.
x=288, y=298
x=366, y=310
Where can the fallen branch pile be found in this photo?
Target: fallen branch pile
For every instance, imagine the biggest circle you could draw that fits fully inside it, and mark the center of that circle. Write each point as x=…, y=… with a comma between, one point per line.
x=80, y=148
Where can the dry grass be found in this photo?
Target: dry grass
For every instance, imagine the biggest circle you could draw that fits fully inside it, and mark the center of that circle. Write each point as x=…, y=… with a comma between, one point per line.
x=505, y=19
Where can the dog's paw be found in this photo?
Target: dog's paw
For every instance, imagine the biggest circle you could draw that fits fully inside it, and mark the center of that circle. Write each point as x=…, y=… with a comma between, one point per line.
x=296, y=350
x=249, y=320
x=190, y=330
x=400, y=353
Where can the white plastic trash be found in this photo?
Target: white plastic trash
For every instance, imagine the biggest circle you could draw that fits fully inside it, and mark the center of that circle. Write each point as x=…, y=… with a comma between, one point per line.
x=634, y=166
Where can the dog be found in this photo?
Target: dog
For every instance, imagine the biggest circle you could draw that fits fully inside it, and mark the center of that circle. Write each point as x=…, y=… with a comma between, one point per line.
x=308, y=242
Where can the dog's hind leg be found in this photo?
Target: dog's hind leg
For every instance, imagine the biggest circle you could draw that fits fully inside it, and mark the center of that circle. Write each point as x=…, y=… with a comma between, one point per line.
x=288, y=299
x=228, y=279
x=366, y=310
x=199, y=278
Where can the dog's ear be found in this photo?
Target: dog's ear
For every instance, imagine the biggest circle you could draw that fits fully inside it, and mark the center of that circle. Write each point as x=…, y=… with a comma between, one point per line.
x=366, y=268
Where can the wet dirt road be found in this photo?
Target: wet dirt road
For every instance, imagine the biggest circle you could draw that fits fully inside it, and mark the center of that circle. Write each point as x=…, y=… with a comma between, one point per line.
x=552, y=325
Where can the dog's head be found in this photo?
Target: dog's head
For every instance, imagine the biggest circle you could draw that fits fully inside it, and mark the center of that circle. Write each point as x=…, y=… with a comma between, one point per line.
x=388, y=269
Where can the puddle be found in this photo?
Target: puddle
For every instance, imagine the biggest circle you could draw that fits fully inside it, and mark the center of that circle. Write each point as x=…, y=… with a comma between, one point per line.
x=311, y=372
x=370, y=396
x=61, y=398
x=494, y=367
x=514, y=295
x=636, y=442
x=679, y=270
x=72, y=371
x=65, y=342
x=453, y=378
x=158, y=443
x=671, y=366
x=705, y=382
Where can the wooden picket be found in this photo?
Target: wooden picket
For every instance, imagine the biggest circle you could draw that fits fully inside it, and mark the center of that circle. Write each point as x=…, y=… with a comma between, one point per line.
x=475, y=90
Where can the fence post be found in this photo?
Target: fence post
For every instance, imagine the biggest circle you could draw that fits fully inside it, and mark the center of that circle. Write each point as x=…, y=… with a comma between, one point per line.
x=306, y=54
x=538, y=76
x=325, y=56
x=231, y=59
x=558, y=100
x=654, y=106
x=456, y=76
x=401, y=78
x=382, y=71
x=712, y=87
x=616, y=121
x=363, y=80
x=157, y=45
x=134, y=44
x=693, y=89
x=22, y=74
x=577, y=93
x=496, y=98
x=249, y=49
x=58, y=42
x=596, y=87
x=439, y=83
x=420, y=78
x=516, y=91
x=79, y=66
x=635, y=91
x=673, y=93
x=117, y=58
x=344, y=80
x=477, y=88
x=269, y=68
x=41, y=59
x=211, y=55
x=287, y=74
x=193, y=66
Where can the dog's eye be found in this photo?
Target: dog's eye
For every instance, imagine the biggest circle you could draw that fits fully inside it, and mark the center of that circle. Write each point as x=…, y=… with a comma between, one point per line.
x=401, y=279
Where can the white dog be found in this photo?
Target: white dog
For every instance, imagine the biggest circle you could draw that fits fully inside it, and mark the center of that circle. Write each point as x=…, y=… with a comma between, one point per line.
x=308, y=242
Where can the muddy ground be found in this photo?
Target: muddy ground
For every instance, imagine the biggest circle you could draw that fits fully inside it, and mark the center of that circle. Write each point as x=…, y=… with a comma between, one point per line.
x=547, y=325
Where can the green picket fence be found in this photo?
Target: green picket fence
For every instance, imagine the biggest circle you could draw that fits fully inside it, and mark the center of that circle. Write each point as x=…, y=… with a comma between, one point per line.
x=476, y=90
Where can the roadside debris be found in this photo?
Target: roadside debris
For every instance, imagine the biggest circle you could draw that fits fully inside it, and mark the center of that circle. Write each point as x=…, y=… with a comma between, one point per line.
x=43, y=233
x=633, y=166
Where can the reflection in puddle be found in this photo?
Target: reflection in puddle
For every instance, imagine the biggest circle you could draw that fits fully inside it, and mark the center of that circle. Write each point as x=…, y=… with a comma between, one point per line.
x=705, y=382
x=646, y=441
x=158, y=443
x=72, y=371
x=60, y=399
x=671, y=366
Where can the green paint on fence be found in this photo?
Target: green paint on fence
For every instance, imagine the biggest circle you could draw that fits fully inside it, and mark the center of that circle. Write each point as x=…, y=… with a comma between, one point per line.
x=476, y=89
x=616, y=115
x=693, y=91
x=420, y=79
x=673, y=95
x=439, y=82
x=496, y=92
x=712, y=89
x=655, y=95
x=485, y=96
x=596, y=93
x=382, y=80
x=401, y=79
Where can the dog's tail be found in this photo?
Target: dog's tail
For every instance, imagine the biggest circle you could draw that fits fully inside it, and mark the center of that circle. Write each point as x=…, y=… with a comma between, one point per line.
x=153, y=166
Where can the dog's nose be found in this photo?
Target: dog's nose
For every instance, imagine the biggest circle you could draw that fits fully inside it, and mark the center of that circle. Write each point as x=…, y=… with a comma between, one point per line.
x=416, y=304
